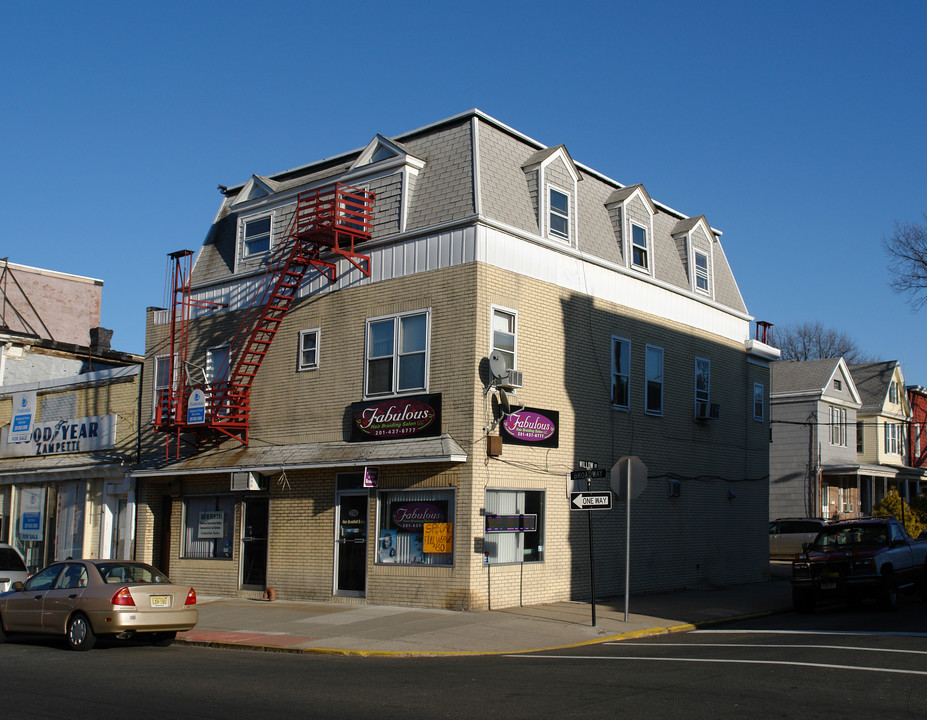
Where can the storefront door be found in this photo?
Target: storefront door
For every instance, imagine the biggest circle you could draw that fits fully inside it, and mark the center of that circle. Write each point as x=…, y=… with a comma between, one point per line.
x=351, y=544
x=254, y=544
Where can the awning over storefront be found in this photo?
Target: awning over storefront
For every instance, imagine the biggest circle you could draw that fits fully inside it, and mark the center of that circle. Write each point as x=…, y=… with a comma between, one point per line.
x=58, y=468
x=443, y=449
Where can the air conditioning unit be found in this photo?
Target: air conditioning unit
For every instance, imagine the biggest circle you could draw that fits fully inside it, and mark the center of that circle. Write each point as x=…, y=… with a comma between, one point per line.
x=242, y=481
x=511, y=381
x=706, y=411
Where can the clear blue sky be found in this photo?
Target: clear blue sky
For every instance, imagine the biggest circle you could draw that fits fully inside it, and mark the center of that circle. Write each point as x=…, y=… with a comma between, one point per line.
x=797, y=128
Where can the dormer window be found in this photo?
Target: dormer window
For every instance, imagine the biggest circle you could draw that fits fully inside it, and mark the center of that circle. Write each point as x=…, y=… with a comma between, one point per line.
x=701, y=272
x=639, y=250
x=257, y=236
x=559, y=214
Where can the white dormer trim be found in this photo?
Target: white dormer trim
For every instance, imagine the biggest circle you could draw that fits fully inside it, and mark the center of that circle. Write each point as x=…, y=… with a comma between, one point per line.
x=627, y=244
x=256, y=188
x=846, y=378
x=383, y=152
x=544, y=187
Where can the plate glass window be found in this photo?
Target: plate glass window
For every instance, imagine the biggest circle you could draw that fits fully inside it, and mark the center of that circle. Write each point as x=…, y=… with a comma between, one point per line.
x=517, y=546
x=309, y=349
x=397, y=351
x=654, y=377
x=621, y=372
x=503, y=336
x=209, y=521
x=701, y=271
x=257, y=236
x=559, y=214
x=639, y=246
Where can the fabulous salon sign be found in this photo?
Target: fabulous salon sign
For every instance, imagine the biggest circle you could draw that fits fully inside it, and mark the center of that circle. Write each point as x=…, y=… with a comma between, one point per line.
x=397, y=418
x=530, y=426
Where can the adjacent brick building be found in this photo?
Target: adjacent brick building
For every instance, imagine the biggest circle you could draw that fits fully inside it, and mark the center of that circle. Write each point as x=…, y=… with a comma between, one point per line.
x=411, y=431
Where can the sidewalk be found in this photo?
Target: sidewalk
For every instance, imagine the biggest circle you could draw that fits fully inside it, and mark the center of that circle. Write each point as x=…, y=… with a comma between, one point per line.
x=297, y=626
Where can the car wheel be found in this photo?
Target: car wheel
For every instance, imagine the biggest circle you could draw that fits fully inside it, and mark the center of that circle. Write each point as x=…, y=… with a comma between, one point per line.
x=803, y=600
x=163, y=639
x=888, y=595
x=80, y=634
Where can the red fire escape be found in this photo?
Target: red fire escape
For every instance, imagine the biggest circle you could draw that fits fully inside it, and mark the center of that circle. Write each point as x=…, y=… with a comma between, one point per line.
x=329, y=220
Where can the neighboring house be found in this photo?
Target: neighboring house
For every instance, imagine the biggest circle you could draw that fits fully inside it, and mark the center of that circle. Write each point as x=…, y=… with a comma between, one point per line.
x=813, y=468
x=882, y=433
x=73, y=413
x=917, y=434
x=467, y=321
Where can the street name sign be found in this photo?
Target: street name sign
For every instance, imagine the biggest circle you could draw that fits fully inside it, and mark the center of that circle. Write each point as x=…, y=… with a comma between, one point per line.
x=590, y=474
x=591, y=500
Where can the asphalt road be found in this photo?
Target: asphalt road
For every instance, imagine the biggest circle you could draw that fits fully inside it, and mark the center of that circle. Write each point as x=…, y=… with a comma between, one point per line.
x=837, y=663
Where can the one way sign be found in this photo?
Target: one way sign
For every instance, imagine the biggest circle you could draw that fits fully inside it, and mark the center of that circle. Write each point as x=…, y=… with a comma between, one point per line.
x=589, y=500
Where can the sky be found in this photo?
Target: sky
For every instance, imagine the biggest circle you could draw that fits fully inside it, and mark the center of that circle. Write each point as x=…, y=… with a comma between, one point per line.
x=797, y=128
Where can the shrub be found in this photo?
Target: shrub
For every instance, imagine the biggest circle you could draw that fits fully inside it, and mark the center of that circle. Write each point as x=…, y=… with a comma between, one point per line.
x=914, y=515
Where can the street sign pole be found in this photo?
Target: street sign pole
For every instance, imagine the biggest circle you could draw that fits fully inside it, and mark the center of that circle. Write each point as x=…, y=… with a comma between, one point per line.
x=627, y=545
x=591, y=557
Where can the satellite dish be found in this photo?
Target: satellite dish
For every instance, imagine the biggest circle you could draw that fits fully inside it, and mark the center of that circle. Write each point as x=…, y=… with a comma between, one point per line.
x=504, y=402
x=497, y=366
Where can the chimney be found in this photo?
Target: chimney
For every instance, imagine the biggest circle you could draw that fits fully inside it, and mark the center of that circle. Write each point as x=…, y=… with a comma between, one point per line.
x=100, y=339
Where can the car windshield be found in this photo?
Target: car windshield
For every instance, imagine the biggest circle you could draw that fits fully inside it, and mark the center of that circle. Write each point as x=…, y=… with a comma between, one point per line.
x=846, y=535
x=117, y=572
x=10, y=560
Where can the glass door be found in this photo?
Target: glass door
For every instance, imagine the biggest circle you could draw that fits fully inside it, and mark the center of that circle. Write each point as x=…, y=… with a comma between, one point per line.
x=351, y=544
x=254, y=543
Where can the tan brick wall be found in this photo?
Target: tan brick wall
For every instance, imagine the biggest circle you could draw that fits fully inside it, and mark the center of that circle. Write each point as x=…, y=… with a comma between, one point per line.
x=713, y=533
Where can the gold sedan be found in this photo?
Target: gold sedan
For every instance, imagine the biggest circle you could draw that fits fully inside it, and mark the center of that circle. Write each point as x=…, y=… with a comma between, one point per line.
x=82, y=599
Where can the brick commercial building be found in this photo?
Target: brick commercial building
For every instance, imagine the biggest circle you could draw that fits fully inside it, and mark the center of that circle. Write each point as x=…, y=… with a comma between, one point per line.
x=458, y=317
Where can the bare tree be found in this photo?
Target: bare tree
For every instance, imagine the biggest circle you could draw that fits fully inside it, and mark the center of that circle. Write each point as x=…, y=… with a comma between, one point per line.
x=812, y=341
x=907, y=252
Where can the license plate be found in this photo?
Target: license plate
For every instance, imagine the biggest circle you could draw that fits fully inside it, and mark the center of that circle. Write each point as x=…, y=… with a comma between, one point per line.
x=160, y=601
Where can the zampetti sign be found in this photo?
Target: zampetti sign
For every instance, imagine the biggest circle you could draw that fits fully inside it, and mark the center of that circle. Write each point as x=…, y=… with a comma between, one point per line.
x=63, y=437
x=530, y=426
x=396, y=418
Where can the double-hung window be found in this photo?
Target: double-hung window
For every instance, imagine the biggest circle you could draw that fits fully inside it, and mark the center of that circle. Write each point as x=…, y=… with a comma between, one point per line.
x=308, y=350
x=838, y=426
x=701, y=272
x=621, y=372
x=397, y=354
x=702, y=386
x=163, y=383
x=503, y=336
x=559, y=215
x=639, y=247
x=893, y=441
x=759, y=395
x=257, y=235
x=654, y=377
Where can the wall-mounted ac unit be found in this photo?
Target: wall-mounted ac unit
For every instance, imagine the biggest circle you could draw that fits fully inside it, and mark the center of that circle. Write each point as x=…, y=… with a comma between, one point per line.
x=245, y=481
x=706, y=411
x=511, y=381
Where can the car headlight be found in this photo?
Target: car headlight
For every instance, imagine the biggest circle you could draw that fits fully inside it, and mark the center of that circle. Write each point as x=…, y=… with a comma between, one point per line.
x=866, y=565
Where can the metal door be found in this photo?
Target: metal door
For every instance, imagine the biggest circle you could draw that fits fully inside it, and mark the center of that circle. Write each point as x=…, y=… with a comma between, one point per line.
x=254, y=543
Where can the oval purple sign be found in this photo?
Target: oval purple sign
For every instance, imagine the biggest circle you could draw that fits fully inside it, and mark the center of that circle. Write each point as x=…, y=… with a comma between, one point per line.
x=529, y=426
x=412, y=515
x=395, y=418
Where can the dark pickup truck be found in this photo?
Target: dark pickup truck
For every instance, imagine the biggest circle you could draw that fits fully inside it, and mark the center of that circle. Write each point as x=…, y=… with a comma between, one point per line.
x=868, y=557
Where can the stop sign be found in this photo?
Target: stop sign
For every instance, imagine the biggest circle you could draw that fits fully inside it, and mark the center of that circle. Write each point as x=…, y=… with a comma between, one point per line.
x=619, y=477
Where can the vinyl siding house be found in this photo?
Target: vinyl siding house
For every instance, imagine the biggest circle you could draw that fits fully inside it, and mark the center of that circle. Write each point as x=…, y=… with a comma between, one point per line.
x=513, y=316
x=812, y=457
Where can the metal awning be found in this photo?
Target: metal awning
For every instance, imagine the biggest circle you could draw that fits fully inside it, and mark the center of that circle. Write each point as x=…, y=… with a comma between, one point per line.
x=238, y=458
x=57, y=468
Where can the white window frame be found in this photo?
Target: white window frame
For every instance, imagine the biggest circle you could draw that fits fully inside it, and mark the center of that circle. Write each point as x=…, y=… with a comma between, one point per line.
x=397, y=353
x=155, y=387
x=626, y=375
x=301, y=365
x=245, y=221
x=702, y=396
x=647, y=374
x=759, y=401
x=210, y=369
x=646, y=247
x=504, y=501
x=838, y=426
x=551, y=213
x=700, y=273
x=499, y=311
x=894, y=444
